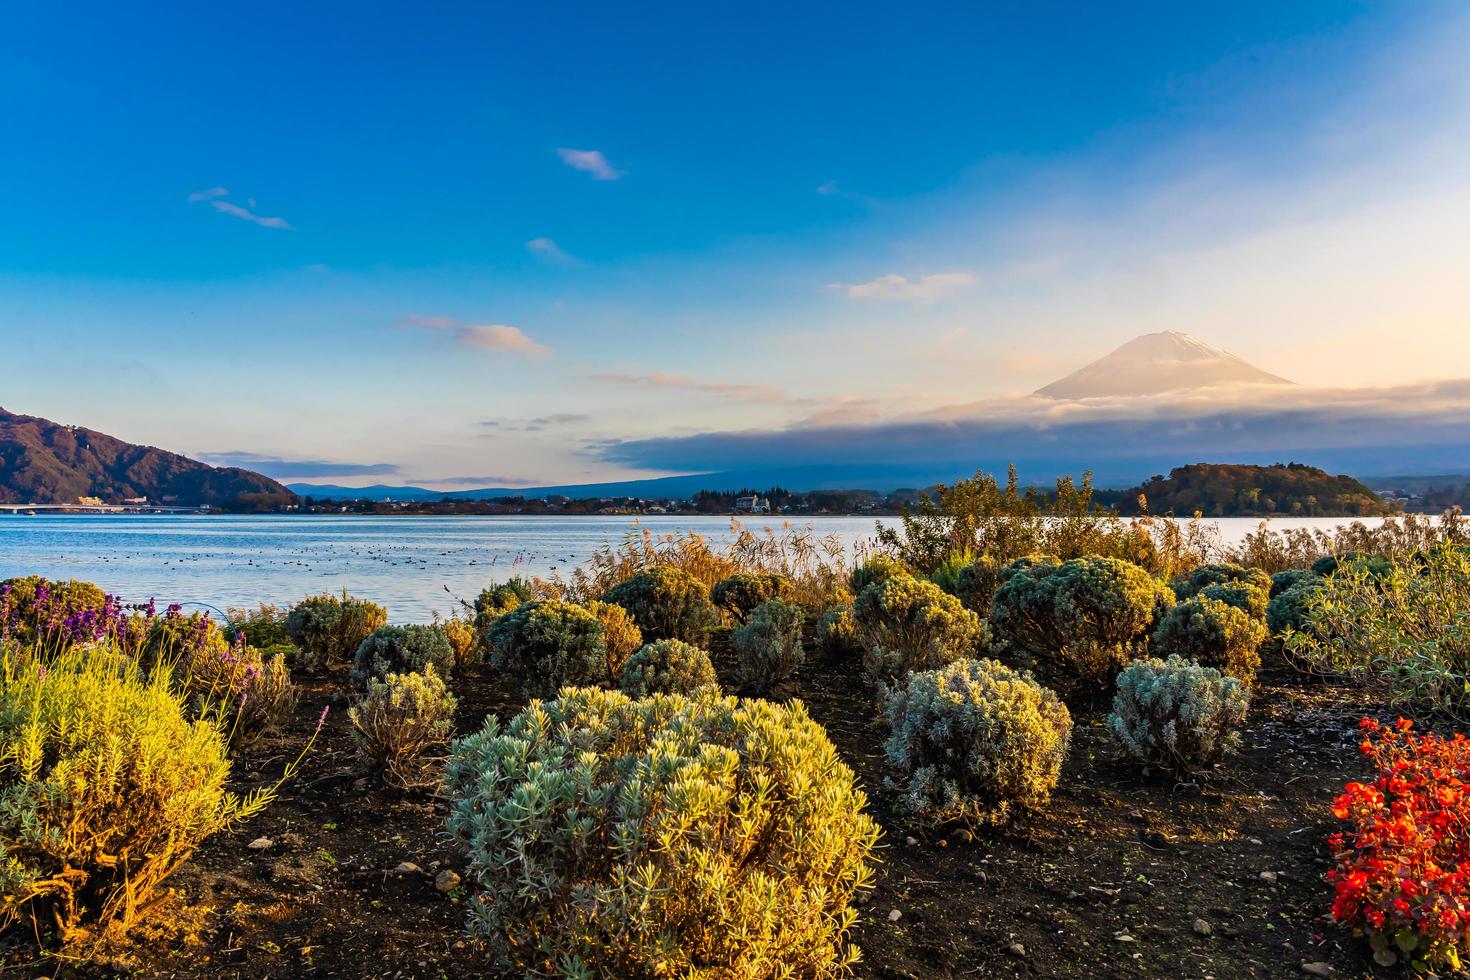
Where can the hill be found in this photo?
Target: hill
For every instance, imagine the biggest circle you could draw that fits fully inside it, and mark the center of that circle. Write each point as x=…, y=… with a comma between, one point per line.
x=45, y=462
x=1155, y=363
x=1238, y=490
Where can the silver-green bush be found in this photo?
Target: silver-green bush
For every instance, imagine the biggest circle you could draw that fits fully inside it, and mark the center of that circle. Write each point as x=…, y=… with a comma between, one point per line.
x=663, y=837
x=1177, y=715
x=401, y=650
x=547, y=644
x=667, y=667
x=768, y=647
x=1079, y=622
x=975, y=741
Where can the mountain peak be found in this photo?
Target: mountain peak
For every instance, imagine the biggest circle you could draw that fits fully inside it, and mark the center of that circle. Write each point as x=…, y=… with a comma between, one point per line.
x=1154, y=363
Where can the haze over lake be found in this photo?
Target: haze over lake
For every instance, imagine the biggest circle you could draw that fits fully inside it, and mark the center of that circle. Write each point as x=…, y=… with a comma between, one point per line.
x=404, y=562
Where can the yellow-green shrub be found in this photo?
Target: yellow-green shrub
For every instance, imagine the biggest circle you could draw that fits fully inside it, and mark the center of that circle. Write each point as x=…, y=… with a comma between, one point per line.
x=402, y=726
x=739, y=594
x=106, y=788
x=974, y=741
x=249, y=693
x=667, y=603
x=620, y=634
x=1224, y=573
x=1213, y=634
x=837, y=634
x=665, y=837
x=906, y=624
x=460, y=635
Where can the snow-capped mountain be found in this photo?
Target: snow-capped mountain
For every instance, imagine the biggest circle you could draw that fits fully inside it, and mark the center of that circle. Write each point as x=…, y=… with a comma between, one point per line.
x=1156, y=363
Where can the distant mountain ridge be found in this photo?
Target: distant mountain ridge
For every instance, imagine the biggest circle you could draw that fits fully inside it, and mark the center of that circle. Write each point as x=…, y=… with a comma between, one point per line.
x=45, y=462
x=1156, y=363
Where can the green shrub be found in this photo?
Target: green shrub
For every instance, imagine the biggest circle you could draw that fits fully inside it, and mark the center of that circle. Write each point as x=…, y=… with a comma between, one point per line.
x=495, y=601
x=328, y=629
x=1287, y=609
x=768, y=647
x=1242, y=595
x=262, y=627
x=34, y=610
x=401, y=650
x=1374, y=566
x=1037, y=566
x=1220, y=574
x=740, y=594
x=905, y=624
x=547, y=644
x=664, y=837
x=879, y=568
x=1079, y=622
x=667, y=667
x=1404, y=632
x=1213, y=634
x=1176, y=715
x=402, y=726
x=106, y=787
x=975, y=741
x=1284, y=580
x=248, y=692
x=667, y=604
x=975, y=584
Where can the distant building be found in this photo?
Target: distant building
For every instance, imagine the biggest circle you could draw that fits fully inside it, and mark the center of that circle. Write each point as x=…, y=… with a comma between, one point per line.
x=90, y=501
x=750, y=505
x=135, y=500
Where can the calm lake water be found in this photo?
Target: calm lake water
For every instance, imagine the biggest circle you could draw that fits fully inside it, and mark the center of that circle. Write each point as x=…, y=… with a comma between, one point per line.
x=407, y=563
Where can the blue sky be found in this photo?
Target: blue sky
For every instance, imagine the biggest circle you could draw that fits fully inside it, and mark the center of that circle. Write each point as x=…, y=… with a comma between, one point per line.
x=483, y=244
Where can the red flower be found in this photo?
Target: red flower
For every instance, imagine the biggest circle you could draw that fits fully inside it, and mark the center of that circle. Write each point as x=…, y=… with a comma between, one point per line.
x=1404, y=863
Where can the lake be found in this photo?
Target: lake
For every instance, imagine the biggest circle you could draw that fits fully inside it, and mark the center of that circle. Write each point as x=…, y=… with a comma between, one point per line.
x=404, y=562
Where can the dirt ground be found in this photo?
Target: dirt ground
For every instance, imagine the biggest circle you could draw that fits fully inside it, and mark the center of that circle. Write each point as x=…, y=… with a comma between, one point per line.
x=1121, y=876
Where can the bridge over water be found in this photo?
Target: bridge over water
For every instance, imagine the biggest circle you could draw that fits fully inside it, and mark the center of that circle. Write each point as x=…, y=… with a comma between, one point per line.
x=98, y=509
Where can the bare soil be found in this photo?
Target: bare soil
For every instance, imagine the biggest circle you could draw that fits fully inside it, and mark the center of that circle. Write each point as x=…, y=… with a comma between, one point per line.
x=1121, y=876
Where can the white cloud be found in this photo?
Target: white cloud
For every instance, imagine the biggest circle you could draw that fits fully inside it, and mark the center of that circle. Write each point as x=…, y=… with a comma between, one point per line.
x=225, y=207
x=215, y=196
x=921, y=289
x=481, y=336
x=589, y=161
x=550, y=251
